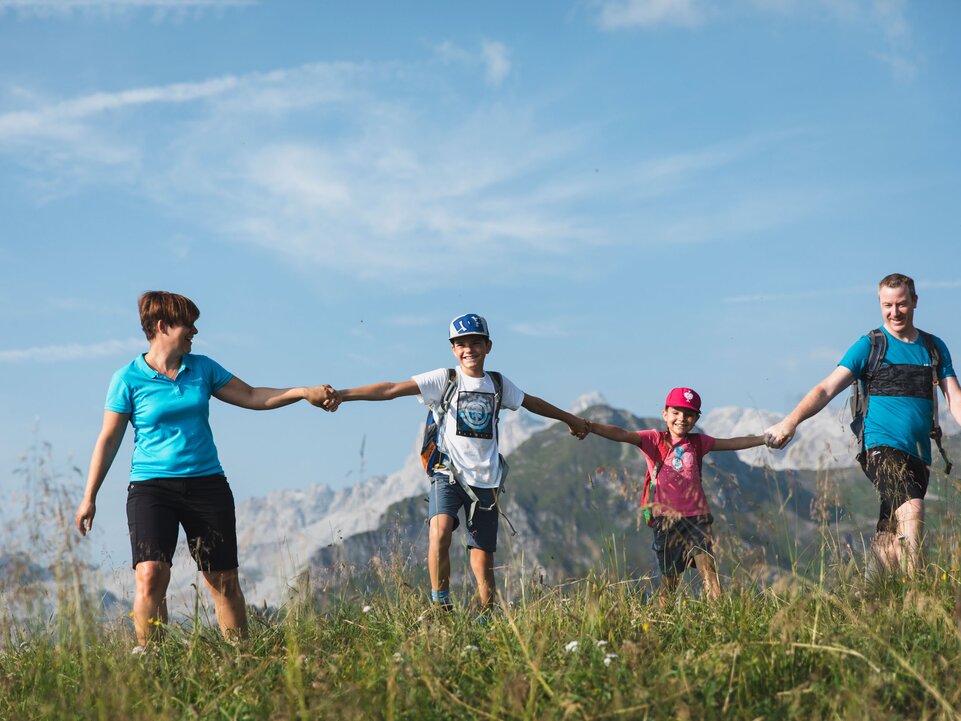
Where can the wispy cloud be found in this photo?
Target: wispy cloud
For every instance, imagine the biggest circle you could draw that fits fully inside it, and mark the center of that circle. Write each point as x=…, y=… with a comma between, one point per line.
x=550, y=329
x=161, y=8
x=621, y=14
x=381, y=182
x=52, y=120
x=854, y=290
x=799, y=295
x=73, y=351
x=493, y=57
x=884, y=17
x=496, y=60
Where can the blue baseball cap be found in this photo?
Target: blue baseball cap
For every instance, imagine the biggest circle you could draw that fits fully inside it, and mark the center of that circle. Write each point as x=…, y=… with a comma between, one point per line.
x=468, y=324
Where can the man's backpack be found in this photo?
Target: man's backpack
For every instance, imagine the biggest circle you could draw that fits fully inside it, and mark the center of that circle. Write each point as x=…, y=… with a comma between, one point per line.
x=665, y=450
x=434, y=456
x=860, y=393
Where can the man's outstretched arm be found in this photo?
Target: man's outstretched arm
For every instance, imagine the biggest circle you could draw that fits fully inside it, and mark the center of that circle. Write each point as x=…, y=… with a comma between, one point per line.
x=778, y=435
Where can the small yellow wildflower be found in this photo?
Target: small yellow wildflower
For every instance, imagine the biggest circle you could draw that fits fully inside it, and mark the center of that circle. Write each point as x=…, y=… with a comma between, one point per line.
x=645, y=627
x=944, y=576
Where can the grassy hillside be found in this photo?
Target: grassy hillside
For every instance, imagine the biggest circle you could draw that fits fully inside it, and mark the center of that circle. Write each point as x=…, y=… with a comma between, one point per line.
x=801, y=633
x=590, y=649
x=575, y=506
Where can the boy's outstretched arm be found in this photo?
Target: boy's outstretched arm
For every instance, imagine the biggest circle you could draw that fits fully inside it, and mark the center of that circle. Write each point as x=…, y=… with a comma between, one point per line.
x=578, y=426
x=738, y=444
x=614, y=433
x=377, y=392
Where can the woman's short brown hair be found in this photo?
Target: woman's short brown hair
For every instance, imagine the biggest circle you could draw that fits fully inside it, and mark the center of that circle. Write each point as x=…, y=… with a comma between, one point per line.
x=172, y=308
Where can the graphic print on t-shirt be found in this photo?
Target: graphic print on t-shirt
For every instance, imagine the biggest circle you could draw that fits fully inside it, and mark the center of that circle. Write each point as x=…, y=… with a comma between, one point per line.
x=475, y=414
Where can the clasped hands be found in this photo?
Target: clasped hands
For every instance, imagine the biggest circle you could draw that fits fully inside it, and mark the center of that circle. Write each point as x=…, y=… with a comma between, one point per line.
x=323, y=397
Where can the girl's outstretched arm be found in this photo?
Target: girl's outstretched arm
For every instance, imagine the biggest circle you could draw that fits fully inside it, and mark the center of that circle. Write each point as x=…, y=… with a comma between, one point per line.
x=614, y=433
x=737, y=444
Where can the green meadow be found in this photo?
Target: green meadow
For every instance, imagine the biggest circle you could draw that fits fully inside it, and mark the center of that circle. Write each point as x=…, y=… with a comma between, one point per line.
x=840, y=648
x=819, y=638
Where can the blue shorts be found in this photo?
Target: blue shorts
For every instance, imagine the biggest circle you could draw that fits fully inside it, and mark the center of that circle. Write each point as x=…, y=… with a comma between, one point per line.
x=203, y=505
x=677, y=542
x=448, y=498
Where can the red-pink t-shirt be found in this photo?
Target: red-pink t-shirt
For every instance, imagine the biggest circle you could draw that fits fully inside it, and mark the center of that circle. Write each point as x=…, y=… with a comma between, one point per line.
x=679, y=478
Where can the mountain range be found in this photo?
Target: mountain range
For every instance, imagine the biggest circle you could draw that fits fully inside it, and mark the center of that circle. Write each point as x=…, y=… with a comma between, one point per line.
x=315, y=528
x=574, y=505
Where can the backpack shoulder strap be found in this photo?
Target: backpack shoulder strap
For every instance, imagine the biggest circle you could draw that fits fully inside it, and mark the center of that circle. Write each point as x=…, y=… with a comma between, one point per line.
x=936, y=432
x=698, y=446
x=663, y=453
x=446, y=396
x=932, y=349
x=879, y=348
x=498, y=380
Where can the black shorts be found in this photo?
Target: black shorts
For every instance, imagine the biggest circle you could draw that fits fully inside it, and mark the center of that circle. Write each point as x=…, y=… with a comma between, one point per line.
x=678, y=541
x=203, y=505
x=898, y=477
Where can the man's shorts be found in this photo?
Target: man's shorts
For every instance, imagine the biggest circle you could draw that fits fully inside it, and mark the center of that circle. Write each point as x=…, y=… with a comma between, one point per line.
x=203, y=505
x=448, y=498
x=678, y=541
x=899, y=477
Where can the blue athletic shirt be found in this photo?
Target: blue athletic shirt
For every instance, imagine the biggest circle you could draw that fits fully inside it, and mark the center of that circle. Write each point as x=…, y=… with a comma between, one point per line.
x=172, y=436
x=896, y=421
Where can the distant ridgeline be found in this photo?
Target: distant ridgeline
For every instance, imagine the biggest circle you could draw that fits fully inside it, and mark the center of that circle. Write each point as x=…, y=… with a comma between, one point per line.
x=575, y=508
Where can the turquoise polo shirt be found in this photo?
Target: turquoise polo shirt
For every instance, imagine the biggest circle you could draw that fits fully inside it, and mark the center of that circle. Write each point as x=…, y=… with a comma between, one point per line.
x=170, y=418
x=897, y=421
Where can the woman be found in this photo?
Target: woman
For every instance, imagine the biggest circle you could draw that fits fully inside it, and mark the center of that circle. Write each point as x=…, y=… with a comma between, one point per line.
x=176, y=478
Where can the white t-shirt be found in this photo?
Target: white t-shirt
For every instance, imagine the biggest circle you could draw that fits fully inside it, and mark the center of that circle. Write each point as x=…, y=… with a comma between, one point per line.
x=470, y=433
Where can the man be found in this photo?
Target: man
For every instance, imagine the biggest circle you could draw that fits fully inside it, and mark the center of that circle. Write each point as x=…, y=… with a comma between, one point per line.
x=901, y=414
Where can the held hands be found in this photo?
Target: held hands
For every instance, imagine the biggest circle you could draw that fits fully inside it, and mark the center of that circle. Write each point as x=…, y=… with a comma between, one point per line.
x=580, y=428
x=778, y=435
x=323, y=397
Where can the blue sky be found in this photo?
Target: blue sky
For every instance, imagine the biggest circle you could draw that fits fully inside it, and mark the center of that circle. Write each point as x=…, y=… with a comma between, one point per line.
x=637, y=194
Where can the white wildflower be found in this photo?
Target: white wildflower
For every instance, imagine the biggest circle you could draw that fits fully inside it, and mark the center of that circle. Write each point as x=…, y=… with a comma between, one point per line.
x=469, y=648
x=601, y=644
x=609, y=658
x=367, y=609
x=398, y=658
x=571, y=647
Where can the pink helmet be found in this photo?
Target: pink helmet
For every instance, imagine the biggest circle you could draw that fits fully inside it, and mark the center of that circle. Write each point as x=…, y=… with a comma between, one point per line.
x=684, y=398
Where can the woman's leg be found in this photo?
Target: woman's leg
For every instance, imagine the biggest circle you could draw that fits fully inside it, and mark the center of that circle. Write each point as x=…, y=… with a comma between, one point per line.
x=229, y=603
x=150, y=599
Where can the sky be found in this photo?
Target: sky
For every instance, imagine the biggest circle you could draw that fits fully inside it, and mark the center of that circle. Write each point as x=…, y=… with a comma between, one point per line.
x=637, y=194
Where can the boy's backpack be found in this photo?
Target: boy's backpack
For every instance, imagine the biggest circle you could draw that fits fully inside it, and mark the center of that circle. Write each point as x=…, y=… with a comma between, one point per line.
x=860, y=393
x=664, y=450
x=434, y=456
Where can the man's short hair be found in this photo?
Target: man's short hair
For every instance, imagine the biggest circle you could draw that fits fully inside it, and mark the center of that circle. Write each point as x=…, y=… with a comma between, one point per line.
x=896, y=280
x=172, y=308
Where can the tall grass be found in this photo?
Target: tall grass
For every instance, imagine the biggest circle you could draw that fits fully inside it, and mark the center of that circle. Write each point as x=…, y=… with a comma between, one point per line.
x=855, y=649
x=829, y=643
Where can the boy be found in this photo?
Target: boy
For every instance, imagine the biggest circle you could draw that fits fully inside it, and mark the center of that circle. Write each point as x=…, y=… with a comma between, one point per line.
x=681, y=517
x=471, y=469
